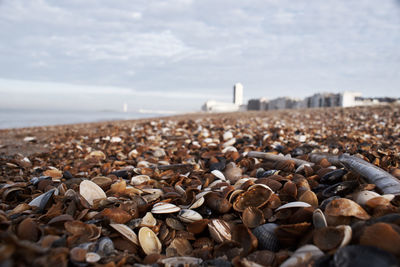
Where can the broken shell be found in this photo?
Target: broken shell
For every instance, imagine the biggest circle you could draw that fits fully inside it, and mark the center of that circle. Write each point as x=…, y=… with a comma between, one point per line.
x=149, y=241
x=189, y=216
x=126, y=232
x=346, y=207
x=198, y=226
x=91, y=191
x=148, y=220
x=383, y=236
x=163, y=207
x=174, y=224
x=291, y=234
x=105, y=246
x=28, y=230
x=197, y=203
x=319, y=220
x=41, y=201
x=329, y=238
x=139, y=179
x=220, y=230
x=363, y=196
x=232, y=173
x=254, y=197
x=116, y=215
x=181, y=261
x=245, y=238
x=294, y=204
x=102, y=181
x=182, y=246
x=97, y=154
x=78, y=254
x=92, y=257
x=303, y=255
x=266, y=236
x=217, y=203
x=252, y=217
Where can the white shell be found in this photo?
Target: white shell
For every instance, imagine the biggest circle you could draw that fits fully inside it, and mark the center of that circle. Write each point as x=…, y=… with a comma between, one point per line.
x=189, y=216
x=139, y=179
x=91, y=191
x=197, y=203
x=92, y=257
x=219, y=174
x=181, y=261
x=229, y=149
x=294, y=204
x=219, y=230
x=302, y=255
x=148, y=220
x=216, y=182
x=363, y=196
x=228, y=135
x=260, y=185
x=126, y=232
x=149, y=241
x=347, y=234
x=319, y=220
x=163, y=207
x=230, y=142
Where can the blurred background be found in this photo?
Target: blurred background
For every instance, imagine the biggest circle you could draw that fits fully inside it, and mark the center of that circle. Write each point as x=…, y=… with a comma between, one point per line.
x=76, y=61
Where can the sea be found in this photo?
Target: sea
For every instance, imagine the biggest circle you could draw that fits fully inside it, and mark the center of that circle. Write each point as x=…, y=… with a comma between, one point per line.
x=13, y=118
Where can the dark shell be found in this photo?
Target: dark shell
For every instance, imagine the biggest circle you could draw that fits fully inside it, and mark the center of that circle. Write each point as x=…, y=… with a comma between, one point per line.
x=266, y=236
x=333, y=176
x=359, y=256
x=340, y=189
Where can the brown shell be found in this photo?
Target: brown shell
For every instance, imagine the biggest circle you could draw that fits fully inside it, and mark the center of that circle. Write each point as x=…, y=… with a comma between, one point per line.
x=382, y=235
x=346, y=207
x=252, y=217
x=328, y=238
x=116, y=215
x=255, y=197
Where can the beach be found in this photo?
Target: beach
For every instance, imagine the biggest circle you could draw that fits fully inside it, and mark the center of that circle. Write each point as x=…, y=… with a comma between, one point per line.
x=259, y=188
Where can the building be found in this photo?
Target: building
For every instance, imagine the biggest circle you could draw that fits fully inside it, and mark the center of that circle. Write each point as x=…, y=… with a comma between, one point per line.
x=257, y=104
x=237, y=105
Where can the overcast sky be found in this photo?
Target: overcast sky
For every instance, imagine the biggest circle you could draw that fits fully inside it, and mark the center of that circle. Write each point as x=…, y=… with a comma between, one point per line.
x=151, y=53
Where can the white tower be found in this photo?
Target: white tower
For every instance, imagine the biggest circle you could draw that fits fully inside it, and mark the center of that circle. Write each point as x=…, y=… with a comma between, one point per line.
x=238, y=94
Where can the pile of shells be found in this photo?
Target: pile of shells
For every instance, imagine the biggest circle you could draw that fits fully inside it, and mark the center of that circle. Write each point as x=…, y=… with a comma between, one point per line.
x=284, y=188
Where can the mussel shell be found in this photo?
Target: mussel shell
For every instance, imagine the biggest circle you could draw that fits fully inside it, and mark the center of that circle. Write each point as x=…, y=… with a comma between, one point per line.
x=357, y=256
x=340, y=189
x=266, y=236
x=41, y=201
x=333, y=177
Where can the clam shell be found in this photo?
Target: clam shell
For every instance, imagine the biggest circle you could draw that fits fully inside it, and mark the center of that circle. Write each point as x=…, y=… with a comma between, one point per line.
x=139, y=179
x=319, y=220
x=41, y=201
x=197, y=203
x=149, y=241
x=257, y=196
x=105, y=246
x=329, y=238
x=294, y=204
x=266, y=236
x=309, y=197
x=219, y=230
x=163, y=207
x=92, y=257
x=227, y=135
x=363, y=196
x=181, y=261
x=148, y=220
x=252, y=217
x=126, y=232
x=97, y=154
x=219, y=175
x=91, y=191
x=189, y=216
x=303, y=255
x=346, y=207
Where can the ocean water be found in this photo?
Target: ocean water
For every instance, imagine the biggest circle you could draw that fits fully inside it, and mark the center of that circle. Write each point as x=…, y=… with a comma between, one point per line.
x=10, y=118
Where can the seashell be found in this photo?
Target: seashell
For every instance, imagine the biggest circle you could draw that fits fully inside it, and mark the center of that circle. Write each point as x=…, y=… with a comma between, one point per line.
x=181, y=261
x=309, y=197
x=245, y=238
x=303, y=255
x=229, y=149
x=229, y=142
x=139, y=179
x=97, y=154
x=174, y=224
x=294, y=204
x=182, y=246
x=346, y=207
x=262, y=257
x=363, y=196
x=41, y=201
x=325, y=203
x=266, y=237
x=189, y=216
x=78, y=254
x=91, y=191
x=227, y=135
x=198, y=226
x=102, y=181
x=383, y=236
x=333, y=177
x=149, y=241
x=252, y=217
x=163, y=207
x=217, y=203
x=92, y=257
x=55, y=174
x=197, y=203
x=254, y=197
x=19, y=209
x=291, y=234
x=116, y=215
x=126, y=232
x=319, y=220
x=61, y=219
x=329, y=238
x=118, y=187
x=148, y=220
x=28, y=230
x=105, y=246
x=219, y=175
x=219, y=230
x=358, y=255
x=340, y=189
x=232, y=173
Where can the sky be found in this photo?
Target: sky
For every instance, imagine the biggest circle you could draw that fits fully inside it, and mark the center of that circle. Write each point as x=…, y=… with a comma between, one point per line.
x=176, y=54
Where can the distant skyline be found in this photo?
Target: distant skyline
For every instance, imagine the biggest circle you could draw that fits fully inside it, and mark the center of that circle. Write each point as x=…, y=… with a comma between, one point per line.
x=176, y=54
